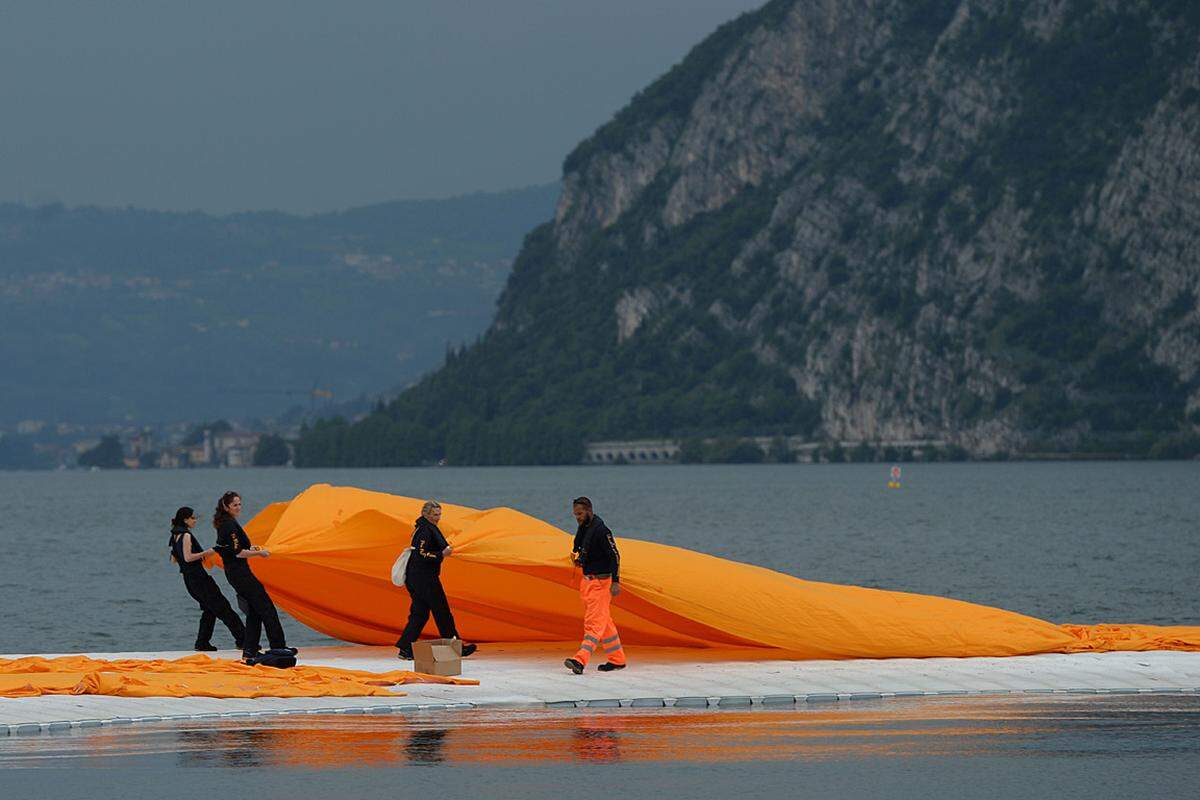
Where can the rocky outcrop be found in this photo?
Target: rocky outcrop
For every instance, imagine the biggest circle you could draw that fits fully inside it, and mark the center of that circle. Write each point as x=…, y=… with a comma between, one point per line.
x=930, y=186
x=975, y=221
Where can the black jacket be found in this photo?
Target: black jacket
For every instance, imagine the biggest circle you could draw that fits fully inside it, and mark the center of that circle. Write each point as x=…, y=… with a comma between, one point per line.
x=428, y=544
x=231, y=540
x=596, y=549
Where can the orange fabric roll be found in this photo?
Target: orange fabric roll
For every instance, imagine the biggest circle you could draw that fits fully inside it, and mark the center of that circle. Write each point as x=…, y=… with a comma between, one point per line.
x=511, y=578
x=195, y=676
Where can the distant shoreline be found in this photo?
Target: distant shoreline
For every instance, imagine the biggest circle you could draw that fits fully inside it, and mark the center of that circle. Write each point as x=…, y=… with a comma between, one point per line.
x=1020, y=458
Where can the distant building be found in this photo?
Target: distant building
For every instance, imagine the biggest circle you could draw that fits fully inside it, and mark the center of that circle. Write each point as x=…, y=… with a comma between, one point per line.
x=235, y=448
x=172, y=458
x=139, y=445
x=200, y=455
x=642, y=451
x=146, y=448
x=667, y=451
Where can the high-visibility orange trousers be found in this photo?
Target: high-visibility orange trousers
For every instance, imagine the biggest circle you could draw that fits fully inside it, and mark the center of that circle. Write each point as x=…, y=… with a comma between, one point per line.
x=599, y=632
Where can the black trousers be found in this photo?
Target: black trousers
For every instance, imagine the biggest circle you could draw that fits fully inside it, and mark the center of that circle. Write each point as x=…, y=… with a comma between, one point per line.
x=260, y=612
x=213, y=606
x=426, y=595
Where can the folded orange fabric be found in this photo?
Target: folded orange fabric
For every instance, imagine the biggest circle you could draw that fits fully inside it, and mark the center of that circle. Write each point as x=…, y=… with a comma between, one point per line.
x=196, y=676
x=511, y=579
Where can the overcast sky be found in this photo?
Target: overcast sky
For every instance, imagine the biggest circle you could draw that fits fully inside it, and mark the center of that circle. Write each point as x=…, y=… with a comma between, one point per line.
x=312, y=105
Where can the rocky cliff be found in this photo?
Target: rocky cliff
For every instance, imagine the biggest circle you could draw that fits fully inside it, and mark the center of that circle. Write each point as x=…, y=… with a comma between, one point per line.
x=860, y=219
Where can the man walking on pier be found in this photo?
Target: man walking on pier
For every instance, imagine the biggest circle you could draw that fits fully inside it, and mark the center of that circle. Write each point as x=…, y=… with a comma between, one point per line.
x=595, y=551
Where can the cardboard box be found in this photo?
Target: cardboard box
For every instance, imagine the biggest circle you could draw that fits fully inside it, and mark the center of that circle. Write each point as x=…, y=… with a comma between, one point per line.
x=438, y=656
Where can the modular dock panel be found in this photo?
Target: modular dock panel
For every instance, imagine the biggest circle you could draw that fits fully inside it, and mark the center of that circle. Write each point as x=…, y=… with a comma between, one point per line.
x=532, y=676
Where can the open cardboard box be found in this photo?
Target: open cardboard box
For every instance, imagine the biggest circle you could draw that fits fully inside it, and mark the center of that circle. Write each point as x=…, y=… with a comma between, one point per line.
x=438, y=656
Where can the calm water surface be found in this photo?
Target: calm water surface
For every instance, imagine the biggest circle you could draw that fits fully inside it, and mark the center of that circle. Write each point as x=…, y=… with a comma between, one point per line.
x=85, y=564
x=1121, y=747
x=85, y=568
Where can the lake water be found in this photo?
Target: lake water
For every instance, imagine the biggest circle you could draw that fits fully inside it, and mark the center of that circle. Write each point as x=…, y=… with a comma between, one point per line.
x=1098, y=747
x=85, y=568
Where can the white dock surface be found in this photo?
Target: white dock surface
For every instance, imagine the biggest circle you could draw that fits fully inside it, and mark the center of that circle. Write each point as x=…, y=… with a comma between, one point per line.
x=532, y=676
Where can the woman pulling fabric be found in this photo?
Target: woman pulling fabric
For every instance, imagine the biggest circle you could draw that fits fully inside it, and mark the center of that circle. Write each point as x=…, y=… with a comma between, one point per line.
x=234, y=547
x=187, y=552
x=424, y=584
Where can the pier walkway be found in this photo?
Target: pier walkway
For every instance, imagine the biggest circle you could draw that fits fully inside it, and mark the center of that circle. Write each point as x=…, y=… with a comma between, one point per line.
x=532, y=676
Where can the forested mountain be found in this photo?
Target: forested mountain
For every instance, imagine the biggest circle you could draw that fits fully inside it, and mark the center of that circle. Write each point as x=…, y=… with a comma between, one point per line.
x=123, y=314
x=858, y=219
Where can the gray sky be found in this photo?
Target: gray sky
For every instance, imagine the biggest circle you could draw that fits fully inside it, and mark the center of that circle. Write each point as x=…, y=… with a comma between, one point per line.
x=312, y=105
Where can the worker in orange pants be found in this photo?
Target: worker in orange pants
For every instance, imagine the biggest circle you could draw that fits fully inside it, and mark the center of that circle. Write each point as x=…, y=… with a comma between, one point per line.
x=595, y=551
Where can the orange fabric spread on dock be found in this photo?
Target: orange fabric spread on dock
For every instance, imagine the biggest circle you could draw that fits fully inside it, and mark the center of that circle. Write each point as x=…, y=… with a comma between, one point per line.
x=195, y=676
x=511, y=579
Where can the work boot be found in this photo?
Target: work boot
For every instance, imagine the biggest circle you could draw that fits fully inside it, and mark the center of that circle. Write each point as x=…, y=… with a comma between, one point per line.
x=467, y=649
x=205, y=647
x=406, y=653
x=574, y=666
x=610, y=667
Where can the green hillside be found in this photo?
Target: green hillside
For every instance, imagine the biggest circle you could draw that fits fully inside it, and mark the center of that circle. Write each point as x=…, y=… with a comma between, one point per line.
x=968, y=221
x=116, y=315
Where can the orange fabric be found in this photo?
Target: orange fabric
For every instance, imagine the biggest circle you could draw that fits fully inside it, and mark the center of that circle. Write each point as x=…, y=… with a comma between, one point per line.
x=511, y=578
x=195, y=676
x=599, y=633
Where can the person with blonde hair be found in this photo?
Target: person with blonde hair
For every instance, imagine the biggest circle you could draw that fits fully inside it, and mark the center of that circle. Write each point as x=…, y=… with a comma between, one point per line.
x=422, y=578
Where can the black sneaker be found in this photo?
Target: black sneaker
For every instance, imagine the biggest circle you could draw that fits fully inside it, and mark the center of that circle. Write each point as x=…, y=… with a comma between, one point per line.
x=574, y=666
x=205, y=647
x=468, y=649
x=406, y=654
x=610, y=667
x=251, y=659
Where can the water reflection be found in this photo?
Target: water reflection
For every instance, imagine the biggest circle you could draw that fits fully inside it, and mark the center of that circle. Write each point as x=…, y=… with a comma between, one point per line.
x=596, y=739
x=425, y=746
x=222, y=747
x=890, y=729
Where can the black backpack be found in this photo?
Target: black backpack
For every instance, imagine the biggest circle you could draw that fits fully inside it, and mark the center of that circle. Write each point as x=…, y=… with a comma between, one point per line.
x=280, y=659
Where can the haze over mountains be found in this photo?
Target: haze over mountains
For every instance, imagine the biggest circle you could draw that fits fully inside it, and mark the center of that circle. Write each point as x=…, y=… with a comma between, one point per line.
x=126, y=315
x=873, y=220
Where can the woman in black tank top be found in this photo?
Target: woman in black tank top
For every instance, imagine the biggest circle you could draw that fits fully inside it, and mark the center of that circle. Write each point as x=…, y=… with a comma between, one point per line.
x=234, y=547
x=187, y=552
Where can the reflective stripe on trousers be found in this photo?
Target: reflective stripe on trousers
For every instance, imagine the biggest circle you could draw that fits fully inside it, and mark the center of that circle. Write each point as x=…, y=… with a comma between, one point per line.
x=599, y=632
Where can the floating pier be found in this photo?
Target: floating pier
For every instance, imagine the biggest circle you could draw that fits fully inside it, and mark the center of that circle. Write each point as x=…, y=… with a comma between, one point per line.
x=532, y=676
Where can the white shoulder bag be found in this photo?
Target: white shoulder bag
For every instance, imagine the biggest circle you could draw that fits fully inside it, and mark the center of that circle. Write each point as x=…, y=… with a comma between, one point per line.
x=400, y=566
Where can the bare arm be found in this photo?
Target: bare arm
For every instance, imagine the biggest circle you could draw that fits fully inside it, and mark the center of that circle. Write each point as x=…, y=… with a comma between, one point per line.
x=189, y=550
x=253, y=553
